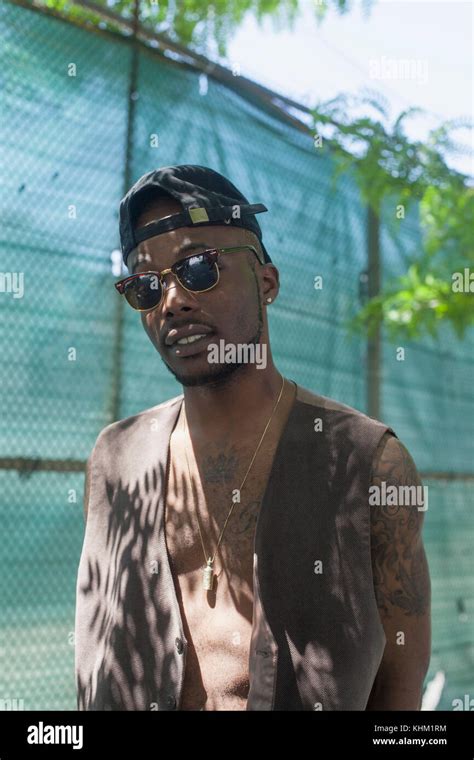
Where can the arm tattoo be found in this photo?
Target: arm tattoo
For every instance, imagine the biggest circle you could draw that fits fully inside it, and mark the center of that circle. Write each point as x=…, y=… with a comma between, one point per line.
x=400, y=569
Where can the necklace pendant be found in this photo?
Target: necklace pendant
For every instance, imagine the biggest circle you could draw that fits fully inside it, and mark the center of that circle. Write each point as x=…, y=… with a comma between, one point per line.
x=208, y=576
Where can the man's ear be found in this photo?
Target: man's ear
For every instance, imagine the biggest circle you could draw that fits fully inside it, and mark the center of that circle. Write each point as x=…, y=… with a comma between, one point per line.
x=269, y=282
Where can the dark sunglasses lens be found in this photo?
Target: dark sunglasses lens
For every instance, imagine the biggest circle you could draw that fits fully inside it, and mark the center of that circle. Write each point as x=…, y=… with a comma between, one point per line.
x=143, y=292
x=198, y=272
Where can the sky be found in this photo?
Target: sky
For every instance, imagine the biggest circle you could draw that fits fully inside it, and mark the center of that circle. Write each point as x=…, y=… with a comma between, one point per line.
x=349, y=53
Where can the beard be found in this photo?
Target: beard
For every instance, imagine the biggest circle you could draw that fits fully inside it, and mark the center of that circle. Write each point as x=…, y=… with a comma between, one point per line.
x=218, y=374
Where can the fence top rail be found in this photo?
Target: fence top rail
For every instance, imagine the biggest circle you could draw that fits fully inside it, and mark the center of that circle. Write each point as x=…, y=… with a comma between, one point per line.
x=276, y=103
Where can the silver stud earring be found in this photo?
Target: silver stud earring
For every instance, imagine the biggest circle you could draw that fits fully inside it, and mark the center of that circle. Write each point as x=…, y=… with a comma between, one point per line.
x=269, y=300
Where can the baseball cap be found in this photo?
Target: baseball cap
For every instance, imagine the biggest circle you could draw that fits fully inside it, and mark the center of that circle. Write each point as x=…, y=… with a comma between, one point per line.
x=207, y=198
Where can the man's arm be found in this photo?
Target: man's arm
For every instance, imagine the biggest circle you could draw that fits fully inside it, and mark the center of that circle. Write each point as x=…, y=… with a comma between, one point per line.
x=401, y=582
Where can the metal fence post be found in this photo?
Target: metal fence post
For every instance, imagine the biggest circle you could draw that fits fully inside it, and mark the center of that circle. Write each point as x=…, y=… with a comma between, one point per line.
x=115, y=396
x=373, y=342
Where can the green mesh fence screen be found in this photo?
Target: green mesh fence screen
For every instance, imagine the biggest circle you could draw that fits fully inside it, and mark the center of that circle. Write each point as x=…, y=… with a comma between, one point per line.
x=64, y=149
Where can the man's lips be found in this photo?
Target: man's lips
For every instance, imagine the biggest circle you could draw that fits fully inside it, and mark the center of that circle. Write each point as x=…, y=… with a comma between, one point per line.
x=198, y=346
x=177, y=333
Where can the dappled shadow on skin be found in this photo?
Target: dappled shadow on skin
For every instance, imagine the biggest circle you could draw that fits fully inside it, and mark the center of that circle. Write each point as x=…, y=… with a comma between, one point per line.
x=183, y=531
x=326, y=625
x=190, y=558
x=186, y=504
x=124, y=588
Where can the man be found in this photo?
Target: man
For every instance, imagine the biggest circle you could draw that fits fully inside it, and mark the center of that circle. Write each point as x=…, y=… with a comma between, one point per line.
x=240, y=549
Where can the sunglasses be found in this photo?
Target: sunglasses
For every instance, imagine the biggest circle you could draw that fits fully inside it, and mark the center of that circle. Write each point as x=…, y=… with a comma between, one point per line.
x=196, y=273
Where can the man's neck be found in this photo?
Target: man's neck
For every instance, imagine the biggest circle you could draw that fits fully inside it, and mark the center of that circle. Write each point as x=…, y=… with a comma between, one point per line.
x=234, y=406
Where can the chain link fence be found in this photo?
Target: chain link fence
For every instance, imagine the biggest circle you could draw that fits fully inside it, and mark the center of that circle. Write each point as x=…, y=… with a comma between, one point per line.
x=85, y=113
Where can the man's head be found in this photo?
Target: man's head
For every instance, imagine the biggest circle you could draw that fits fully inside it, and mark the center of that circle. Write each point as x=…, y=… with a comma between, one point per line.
x=205, y=197
x=146, y=213
x=233, y=311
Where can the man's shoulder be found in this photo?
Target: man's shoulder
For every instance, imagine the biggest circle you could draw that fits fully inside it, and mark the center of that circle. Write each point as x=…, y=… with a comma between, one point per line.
x=310, y=398
x=344, y=425
x=127, y=426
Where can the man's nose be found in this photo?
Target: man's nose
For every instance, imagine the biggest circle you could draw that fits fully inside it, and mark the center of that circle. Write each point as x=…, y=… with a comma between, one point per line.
x=175, y=296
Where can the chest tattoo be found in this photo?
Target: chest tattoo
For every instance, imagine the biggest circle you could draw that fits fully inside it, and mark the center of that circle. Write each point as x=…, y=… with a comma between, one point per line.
x=221, y=468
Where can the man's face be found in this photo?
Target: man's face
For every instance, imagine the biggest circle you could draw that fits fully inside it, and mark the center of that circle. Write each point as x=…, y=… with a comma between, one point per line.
x=231, y=311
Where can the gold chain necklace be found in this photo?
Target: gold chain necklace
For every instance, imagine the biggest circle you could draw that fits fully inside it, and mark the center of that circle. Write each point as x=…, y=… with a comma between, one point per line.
x=208, y=570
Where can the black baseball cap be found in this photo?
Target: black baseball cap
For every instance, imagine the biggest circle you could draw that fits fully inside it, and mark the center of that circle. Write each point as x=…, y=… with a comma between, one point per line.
x=207, y=198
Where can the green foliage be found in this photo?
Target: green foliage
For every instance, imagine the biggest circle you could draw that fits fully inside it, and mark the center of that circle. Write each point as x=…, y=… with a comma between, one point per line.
x=389, y=167
x=415, y=305
x=387, y=164
x=200, y=24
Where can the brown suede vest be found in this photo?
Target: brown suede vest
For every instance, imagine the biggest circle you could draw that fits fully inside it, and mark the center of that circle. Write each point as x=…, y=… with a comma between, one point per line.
x=317, y=639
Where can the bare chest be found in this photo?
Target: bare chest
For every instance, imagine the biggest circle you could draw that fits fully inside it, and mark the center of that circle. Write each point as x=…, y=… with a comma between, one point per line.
x=218, y=625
